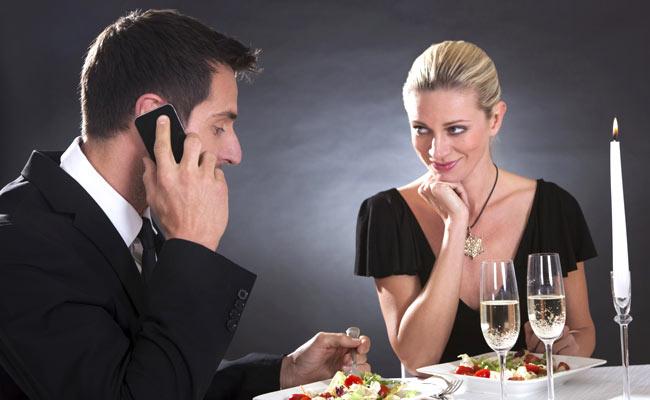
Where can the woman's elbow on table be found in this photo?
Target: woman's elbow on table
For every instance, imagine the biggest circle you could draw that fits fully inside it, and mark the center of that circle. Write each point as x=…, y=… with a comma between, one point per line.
x=415, y=358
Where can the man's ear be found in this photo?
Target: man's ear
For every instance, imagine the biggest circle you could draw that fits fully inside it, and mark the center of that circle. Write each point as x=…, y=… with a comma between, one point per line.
x=147, y=102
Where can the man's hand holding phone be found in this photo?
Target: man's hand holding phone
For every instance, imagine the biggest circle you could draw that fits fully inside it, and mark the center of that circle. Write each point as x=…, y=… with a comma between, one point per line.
x=189, y=198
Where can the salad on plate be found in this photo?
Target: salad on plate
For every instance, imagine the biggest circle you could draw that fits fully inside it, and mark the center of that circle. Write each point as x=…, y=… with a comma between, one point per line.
x=367, y=386
x=520, y=366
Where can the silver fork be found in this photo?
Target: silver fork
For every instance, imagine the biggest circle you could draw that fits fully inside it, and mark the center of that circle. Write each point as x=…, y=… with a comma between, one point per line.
x=452, y=385
x=355, y=333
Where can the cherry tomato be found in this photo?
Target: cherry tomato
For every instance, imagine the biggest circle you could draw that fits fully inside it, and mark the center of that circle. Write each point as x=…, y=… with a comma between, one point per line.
x=533, y=368
x=463, y=370
x=482, y=373
x=352, y=379
x=299, y=397
x=383, y=391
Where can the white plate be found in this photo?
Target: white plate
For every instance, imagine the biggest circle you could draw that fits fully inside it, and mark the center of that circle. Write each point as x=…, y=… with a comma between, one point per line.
x=425, y=389
x=483, y=385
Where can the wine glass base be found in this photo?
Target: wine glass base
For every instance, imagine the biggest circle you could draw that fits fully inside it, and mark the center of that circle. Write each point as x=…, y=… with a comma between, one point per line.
x=624, y=319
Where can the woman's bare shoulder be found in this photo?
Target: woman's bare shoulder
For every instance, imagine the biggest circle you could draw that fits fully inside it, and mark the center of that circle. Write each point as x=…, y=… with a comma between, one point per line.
x=515, y=188
x=518, y=184
x=411, y=188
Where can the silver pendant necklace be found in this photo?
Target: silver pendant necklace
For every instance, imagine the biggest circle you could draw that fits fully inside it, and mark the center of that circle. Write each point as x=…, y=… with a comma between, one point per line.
x=474, y=244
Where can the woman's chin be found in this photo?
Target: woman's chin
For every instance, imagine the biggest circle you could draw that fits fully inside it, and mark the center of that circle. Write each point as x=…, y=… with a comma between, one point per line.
x=445, y=176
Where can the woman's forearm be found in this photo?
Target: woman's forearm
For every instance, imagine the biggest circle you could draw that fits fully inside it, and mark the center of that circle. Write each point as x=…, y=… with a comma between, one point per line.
x=425, y=326
x=586, y=339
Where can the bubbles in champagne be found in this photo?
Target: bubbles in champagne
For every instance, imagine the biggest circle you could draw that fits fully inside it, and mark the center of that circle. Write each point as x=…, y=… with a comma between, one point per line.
x=547, y=315
x=500, y=323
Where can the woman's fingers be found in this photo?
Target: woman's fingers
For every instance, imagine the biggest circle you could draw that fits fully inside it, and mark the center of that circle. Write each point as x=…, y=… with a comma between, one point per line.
x=448, y=199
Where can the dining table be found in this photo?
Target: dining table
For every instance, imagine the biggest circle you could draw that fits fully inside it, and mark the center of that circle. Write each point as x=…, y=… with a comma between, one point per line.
x=600, y=383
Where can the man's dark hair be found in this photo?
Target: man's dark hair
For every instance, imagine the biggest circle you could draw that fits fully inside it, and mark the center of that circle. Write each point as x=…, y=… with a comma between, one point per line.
x=155, y=51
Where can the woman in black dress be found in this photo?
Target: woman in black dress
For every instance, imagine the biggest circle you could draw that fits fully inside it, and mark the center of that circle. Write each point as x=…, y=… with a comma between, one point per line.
x=424, y=242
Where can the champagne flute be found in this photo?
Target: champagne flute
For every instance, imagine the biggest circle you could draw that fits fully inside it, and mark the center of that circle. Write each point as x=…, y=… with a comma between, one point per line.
x=546, y=305
x=500, y=320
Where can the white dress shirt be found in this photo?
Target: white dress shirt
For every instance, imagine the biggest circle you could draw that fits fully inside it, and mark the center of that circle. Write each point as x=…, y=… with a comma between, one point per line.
x=120, y=212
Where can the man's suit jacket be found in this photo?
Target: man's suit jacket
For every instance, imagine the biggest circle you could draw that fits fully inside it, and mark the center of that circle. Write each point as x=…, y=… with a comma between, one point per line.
x=77, y=322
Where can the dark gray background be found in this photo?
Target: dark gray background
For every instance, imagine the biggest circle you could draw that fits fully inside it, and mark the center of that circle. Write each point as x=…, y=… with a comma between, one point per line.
x=323, y=128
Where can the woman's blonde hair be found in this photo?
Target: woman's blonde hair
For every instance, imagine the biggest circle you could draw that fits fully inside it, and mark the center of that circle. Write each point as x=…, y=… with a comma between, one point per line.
x=455, y=65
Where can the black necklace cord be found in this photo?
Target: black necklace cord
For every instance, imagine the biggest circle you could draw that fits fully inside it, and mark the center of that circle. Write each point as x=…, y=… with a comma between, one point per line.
x=488, y=198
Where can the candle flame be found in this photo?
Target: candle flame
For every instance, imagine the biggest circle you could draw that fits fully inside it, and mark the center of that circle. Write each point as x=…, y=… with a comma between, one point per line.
x=615, y=129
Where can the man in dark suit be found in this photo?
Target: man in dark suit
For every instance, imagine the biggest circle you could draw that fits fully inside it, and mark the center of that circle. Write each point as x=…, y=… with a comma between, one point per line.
x=94, y=302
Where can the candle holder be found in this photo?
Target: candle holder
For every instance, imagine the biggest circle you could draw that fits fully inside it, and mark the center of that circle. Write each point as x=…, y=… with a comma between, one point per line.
x=622, y=296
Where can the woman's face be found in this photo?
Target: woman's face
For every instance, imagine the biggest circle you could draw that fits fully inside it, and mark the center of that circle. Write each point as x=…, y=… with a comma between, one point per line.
x=450, y=133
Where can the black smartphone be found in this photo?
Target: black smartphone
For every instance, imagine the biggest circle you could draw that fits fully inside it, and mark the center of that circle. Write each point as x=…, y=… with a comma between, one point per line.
x=146, y=124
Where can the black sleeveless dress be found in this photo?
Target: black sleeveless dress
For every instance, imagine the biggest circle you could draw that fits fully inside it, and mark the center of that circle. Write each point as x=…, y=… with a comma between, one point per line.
x=390, y=241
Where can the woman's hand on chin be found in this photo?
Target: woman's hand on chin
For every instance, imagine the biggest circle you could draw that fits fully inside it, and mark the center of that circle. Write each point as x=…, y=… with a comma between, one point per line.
x=448, y=199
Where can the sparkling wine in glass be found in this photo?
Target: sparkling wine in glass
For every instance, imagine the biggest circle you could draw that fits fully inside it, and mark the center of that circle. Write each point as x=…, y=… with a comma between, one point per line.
x=500, y=320
x=546, y=305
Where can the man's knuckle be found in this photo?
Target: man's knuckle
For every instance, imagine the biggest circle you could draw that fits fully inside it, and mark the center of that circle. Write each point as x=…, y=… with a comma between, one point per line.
x=166, y=180
x=158, y=146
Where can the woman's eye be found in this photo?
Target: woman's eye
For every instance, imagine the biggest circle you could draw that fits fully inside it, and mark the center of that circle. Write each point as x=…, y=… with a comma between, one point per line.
x=218, y=130
x=456, y=129
x=420, y=130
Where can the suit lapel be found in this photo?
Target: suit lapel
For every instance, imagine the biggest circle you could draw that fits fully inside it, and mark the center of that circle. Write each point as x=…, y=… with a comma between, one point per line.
x=98, y=228
x=65, y=195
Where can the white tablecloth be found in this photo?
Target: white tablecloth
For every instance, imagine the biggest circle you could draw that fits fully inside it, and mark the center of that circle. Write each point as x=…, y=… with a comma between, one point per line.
x=603, y=383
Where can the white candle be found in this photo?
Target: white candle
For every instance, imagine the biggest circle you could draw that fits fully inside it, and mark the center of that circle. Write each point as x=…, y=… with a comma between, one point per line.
x=620, y=263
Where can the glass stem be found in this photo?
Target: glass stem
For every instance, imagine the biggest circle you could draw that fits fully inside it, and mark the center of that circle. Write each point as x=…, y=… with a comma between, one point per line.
x=549, y=369
x=502, y=369
x=626, y=362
